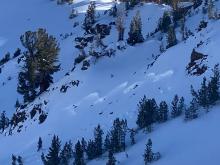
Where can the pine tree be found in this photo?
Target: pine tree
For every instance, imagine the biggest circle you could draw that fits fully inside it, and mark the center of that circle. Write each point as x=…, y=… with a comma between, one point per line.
x=27, y=81
x=4, y=122
x=53, y=157
x=163, y=112
x=107, y=142
x=174, y=107
x=84, y=144
x=124, y=128
x=40, y=63
x=20, y=160
x=147, y=108
x=183, y=28
x=17, y=104
x=165, y=22
x=132, y=135
x=91, y=150
x=14, y=160
x=181, y=106
x=193, y=109
x=89, y=17
x=203, y=94
x=66, y=154
x=135, y=33
x=171, y=37
x=213, y=86
x=117, y=135
x=194, y=93
x=47, y=58
x=187, y=114
x=111, y=159
x=114, y=10
x=43, y=159
x=98, y=132
x=79, y=158
x=39, y=144
x=120, y=25
x=148, y=154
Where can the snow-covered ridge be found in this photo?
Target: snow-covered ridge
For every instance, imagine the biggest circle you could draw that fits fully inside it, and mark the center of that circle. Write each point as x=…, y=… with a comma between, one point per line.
x=111, y=87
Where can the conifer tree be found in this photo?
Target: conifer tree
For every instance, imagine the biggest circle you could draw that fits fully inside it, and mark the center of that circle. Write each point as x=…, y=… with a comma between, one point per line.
x=187, y=114
x=117, y=136
x=163, y=112
x=183, y=28
x=84, y=144
x=135, y=33
x=124, y=128
x=47, y=58
x=193, y=109
x=148, y=154
x=120, y=25
x=203, y=94
x=171, y=37
x=40, y=63
x=147, y=108
x=194, y=93
x=213, y=86
x=91, y=150
x=43, y=159
x=89, y=17
x=27, y=80
x=39, y=144
x=181, y=106
x=53, y=157
x=114, y=10
x=132, y=135
x=174, y=107
x=107, y=142
x=79, y=156
x=66, y=153
x=98, y=132
x=20, y=160
x=4, y=121
x=14, y=160
x=17, y=104
x=165, y=22
x=111, y=158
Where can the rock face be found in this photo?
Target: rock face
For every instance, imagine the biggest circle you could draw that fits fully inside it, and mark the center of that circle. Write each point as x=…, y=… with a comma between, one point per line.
x=197, y=64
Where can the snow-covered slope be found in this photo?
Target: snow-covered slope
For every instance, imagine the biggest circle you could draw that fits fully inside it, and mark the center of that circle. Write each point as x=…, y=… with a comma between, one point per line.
x=111, y=87
x=178, y=142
